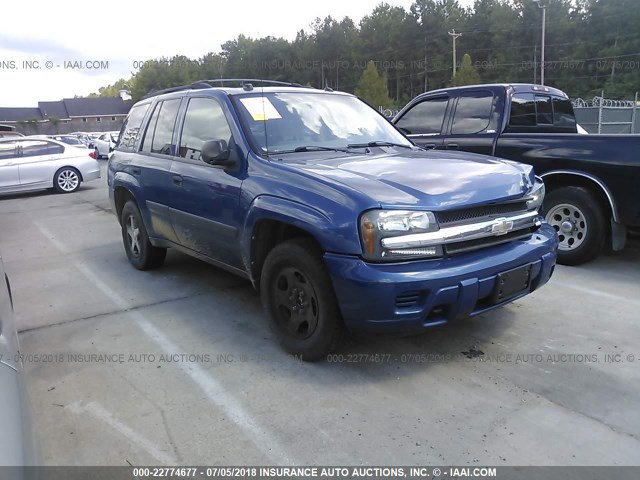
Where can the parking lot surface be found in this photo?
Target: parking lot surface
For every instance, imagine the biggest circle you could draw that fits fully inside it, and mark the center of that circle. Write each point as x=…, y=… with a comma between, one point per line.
x=178, y=365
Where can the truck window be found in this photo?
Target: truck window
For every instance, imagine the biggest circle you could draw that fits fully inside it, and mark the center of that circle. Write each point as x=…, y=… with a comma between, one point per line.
x=473, y=112
x=424, y=118
x=204, y=120
x=544, y=110
x=563, y=115
x=159, y=133
x=131, y=127
x=523, y=110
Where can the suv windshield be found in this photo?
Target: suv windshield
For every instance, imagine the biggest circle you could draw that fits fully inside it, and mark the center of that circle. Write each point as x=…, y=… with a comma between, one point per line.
x=308, y=121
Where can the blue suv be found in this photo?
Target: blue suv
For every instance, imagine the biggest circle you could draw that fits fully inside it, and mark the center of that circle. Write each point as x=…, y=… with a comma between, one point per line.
x=338, y=219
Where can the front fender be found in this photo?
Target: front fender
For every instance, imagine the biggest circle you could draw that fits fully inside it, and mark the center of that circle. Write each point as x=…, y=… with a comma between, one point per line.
x=332, y=233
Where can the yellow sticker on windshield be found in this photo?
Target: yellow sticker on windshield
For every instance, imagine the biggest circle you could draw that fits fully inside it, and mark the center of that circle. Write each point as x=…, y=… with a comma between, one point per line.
x=260, y=108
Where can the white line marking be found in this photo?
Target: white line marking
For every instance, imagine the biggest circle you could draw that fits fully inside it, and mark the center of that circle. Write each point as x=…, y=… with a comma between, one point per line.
x=216, y=393
x=99, y=412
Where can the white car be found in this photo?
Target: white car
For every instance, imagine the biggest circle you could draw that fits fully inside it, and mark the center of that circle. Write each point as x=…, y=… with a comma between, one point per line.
x=105, y=143
x=29, y=163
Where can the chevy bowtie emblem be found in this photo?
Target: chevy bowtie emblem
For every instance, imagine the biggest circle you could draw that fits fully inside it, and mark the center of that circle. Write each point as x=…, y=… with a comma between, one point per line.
x=501, y=226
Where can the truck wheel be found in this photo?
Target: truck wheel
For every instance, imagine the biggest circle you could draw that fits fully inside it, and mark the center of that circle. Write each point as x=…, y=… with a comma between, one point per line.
x=298, y=296
x=140, y=252
x=580, y=222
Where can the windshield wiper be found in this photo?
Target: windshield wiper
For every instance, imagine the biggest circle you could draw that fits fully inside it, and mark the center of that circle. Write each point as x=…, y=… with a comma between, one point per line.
x=378, y=143
x=318, y=148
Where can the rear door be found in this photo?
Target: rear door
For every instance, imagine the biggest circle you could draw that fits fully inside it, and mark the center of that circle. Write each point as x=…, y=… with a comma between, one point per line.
x=153, y=165
x=424, y=121
x=205, y=198
x=9, y=176
x=475, y=122
x=38, y=161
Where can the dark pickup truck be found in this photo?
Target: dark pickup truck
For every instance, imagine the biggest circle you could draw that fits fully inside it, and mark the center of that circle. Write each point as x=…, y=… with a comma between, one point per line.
x=592, y=181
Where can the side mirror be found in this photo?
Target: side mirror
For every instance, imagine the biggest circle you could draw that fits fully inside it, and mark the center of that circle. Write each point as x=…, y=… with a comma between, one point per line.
x=216, y=152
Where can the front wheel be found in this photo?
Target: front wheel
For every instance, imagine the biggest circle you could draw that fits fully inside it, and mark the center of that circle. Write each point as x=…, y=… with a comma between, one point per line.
x=579, y=220
x=298, y=296
x=66, y=180
x=140, y=252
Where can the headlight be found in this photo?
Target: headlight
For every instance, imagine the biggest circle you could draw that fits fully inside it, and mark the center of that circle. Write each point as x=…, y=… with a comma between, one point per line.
x=378, y=224
x=535, y=195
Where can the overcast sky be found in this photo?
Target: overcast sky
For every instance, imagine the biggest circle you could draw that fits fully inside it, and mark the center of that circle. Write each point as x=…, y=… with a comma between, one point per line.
x=125, y=32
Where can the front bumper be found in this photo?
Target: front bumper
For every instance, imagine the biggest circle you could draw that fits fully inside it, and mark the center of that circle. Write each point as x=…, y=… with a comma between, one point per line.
x=411, y=296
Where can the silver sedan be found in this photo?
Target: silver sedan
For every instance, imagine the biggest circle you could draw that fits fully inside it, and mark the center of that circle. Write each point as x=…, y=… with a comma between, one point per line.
x=17, y=445
x=30, y=163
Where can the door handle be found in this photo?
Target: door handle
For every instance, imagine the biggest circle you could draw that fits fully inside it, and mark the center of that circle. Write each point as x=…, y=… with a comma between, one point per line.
x=177, y=179
x=429, y=145
x=452, y=146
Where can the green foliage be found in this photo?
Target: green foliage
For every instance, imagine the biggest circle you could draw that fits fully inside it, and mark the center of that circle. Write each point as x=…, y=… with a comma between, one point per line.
x=590, y=45
x=466, y=74
x=372, y=87
x=55, y=121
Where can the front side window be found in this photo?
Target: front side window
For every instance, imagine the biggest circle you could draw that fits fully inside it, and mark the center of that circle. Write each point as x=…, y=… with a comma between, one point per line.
x=425, y=118
x=473, y=113
x=204, y=120
x=131, y=127
x=7, y=150
x=285, y=121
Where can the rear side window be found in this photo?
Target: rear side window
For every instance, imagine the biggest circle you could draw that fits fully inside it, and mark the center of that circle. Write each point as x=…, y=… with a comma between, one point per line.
x=473, y=112
x=563, y=115
x=424, y=118
x=131, y=127
x=523, y=110
x=159, y=133
x=203, y=121
x=549, y=114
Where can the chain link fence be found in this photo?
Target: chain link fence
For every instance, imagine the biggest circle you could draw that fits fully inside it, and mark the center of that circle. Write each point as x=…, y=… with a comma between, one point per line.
x=602, y=115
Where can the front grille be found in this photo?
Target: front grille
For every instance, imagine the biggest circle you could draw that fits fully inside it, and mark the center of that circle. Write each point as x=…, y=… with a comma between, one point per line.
x=407, y=299
x=468, y=245
x=463, y=215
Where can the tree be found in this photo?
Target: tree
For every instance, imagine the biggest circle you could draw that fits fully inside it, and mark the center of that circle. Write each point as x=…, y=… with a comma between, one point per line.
x=372, y=87
x=466, y=74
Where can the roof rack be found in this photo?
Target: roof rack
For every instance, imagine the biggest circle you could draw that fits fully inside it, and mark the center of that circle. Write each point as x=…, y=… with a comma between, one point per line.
x=208, y=84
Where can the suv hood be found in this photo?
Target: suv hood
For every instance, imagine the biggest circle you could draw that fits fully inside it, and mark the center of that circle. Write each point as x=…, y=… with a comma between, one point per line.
x=436, y=180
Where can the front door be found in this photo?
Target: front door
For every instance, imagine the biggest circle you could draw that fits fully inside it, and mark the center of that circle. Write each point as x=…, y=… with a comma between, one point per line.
x=9, y=177
x=205, y=199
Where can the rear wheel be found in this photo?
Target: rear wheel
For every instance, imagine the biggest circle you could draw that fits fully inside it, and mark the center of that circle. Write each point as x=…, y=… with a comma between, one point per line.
x=298, y=296
x=580, y=222
x=140, y=252
x=66, y=180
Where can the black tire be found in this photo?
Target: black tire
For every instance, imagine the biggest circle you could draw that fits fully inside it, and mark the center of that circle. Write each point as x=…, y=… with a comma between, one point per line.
x=580, y=222
x=140, y=252
x=67, y=180
x=298, y=296
x=97, y=152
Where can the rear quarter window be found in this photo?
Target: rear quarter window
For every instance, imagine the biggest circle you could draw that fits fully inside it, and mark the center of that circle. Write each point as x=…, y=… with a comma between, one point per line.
x=131, y=127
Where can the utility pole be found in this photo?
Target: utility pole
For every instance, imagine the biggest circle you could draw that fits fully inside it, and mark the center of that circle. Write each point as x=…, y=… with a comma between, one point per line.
x=455, y=36
x=543, y=6
x=535, y=63
x=425, y=61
